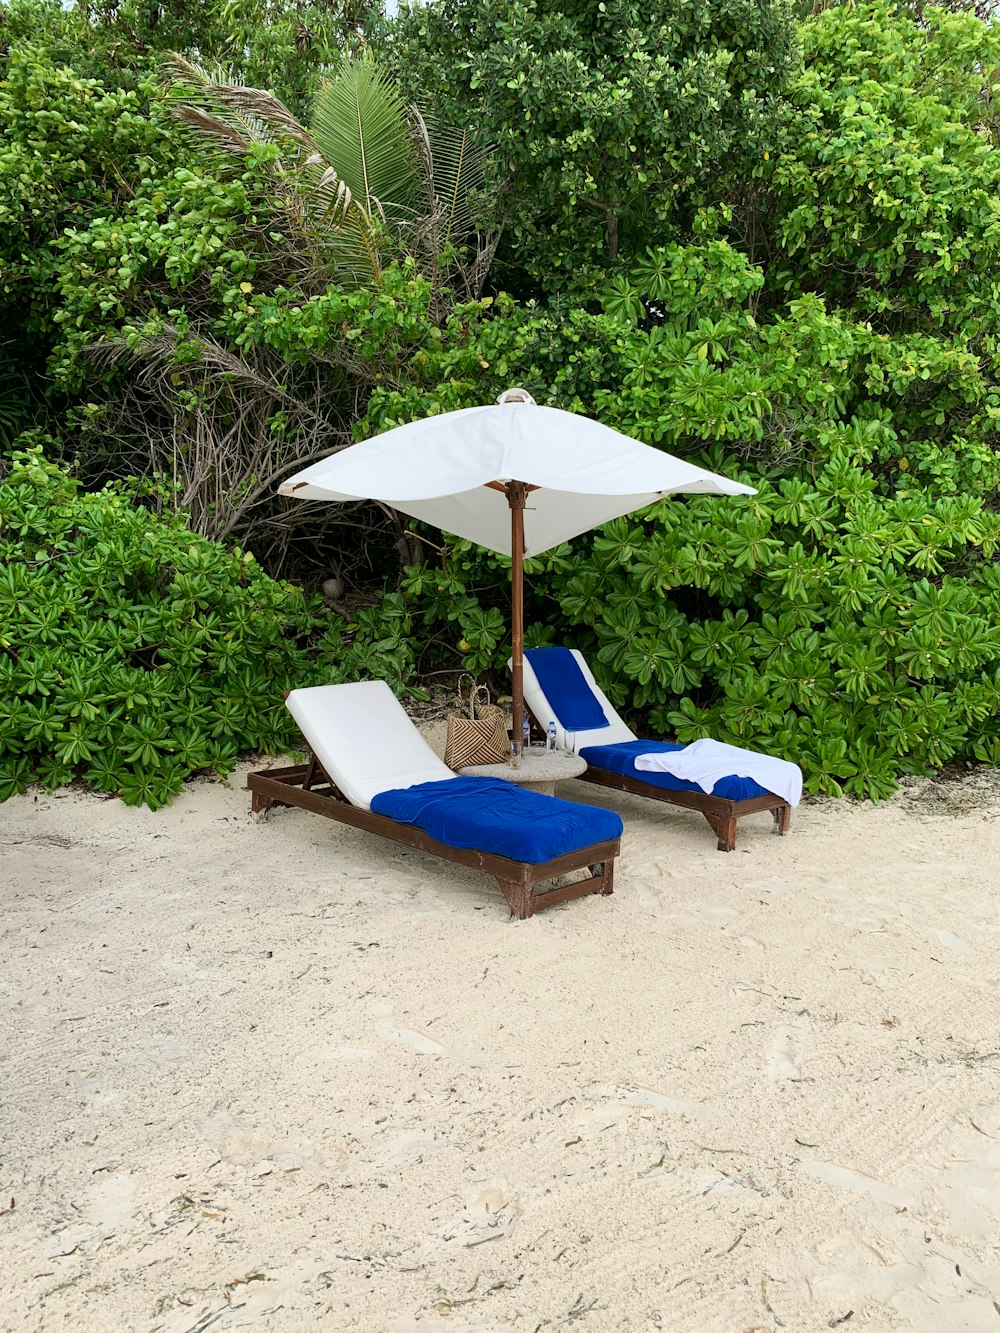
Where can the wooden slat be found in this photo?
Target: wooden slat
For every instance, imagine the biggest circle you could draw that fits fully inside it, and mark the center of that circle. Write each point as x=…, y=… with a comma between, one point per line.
x=294, y=773
x=566, y=892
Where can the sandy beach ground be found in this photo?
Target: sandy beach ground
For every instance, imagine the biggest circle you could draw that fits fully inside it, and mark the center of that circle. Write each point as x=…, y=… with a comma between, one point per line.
x=288, y=1076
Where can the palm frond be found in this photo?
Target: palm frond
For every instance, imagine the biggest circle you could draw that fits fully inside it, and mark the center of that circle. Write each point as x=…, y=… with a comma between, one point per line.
x=318, y=204
x=364, y=160
x=184, y=73
x=425, y=156
x=256, y=104
x=252, y=113
x=333, y=195
x=458, y=172
x=340, y=222
x=360, y=124
x=216, y=132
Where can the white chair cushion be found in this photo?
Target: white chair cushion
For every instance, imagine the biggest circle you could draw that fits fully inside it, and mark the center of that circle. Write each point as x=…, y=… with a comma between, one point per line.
x=545, y=711
x=364, y=739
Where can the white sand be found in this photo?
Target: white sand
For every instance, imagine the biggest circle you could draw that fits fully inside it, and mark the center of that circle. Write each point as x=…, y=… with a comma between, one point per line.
x=287, y=1076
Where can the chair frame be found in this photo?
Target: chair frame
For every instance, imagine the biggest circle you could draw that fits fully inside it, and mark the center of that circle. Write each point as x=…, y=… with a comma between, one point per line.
x=721, y=813
x=309, y=787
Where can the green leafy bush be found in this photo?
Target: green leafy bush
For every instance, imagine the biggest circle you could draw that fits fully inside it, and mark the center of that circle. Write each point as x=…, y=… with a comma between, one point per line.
x=134, y=653
x=264, y=43
x=607, y=118
x=828, y=329
x=881, y=190
x=832, y=337
x=846, y=616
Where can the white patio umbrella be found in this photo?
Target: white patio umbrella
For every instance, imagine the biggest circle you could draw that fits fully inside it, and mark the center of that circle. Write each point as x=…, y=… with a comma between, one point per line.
x=514, y=477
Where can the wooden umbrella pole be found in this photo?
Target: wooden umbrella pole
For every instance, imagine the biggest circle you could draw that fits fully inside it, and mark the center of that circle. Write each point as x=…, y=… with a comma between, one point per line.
x=516, y=492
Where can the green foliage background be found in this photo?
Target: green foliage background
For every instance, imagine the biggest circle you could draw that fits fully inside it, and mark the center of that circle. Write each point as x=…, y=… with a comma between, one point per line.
x=610, y=116
x=802, y=290
x=134, y=653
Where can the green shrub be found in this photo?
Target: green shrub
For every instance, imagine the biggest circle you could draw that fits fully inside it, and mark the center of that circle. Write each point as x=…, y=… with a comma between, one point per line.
x=846, y=616
x=608, y=118
x=812, y=621
x=134, y=653
x=881, y=191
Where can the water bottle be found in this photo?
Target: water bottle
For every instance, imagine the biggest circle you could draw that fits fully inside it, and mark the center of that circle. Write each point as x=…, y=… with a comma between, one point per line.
x=550, y=738
x=526, y=729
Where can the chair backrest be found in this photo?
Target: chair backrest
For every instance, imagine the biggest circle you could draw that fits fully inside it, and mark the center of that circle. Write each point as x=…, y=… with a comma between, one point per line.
x=364, y=739
x=544, y=710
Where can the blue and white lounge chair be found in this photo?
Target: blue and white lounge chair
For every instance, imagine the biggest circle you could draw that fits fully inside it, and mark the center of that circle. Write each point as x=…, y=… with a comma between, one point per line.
x=372, y=769
x=559, y=686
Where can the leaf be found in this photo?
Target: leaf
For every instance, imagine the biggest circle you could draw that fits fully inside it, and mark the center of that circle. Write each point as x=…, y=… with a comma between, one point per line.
x=360, y=127
x=454, y=166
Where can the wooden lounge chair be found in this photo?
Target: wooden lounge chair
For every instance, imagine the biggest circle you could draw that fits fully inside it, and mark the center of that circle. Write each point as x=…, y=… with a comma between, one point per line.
x=365, y=749
x=610, y=749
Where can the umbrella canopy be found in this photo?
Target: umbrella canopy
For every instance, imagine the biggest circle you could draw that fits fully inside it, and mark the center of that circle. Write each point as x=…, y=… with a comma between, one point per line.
x=440, y=470
x=515, y=477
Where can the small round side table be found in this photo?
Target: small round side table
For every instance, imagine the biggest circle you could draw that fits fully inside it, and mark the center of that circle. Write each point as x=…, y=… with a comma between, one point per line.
x=538, y=771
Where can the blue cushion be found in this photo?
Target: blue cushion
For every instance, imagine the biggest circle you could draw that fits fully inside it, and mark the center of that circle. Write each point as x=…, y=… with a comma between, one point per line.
x=621, y=759
x=565, y=686
x=490, y=815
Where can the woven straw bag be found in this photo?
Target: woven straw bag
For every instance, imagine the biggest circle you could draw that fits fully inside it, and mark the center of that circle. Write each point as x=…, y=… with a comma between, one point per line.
x=477, y=735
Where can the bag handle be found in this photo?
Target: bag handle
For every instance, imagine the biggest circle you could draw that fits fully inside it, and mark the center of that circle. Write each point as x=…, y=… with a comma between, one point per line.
x=476, y=704
x=475, y=691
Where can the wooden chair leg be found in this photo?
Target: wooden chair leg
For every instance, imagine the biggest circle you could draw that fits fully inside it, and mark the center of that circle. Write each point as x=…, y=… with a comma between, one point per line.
x=519, y=898
x=727, y=834
x=605, y=877
x=259, y=806
x=724, y=827
x=782, y=820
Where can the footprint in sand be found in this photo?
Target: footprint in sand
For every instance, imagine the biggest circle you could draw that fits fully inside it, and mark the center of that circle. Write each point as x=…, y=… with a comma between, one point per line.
x=162, y=1051
x=347, y=1054
x=599, y=1118
x=490, y=1213
x=252, y=1150
x=187, y=969
x=111, y=1203
x=626, y=1100
x=843, y=1270
x=417, y=1041
x=94, y=1090
x=965, y=1186
x=951, y=941
x=656, y=867
x=647, y=896
x=659, y=1101
x=781, y=1066
x=831, y=1174
x=110, y=1213
x=409, y=1149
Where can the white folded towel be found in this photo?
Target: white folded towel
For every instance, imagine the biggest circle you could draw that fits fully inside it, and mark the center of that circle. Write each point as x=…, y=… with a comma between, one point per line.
x=704, y=762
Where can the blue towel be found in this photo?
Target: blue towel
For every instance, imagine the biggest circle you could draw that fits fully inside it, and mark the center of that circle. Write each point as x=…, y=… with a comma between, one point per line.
x=565, y=686
x=621, y=759
x=490, y=815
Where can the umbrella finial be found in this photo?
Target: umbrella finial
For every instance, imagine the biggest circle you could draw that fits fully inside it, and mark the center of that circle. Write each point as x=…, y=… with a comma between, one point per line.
x=515, y=395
